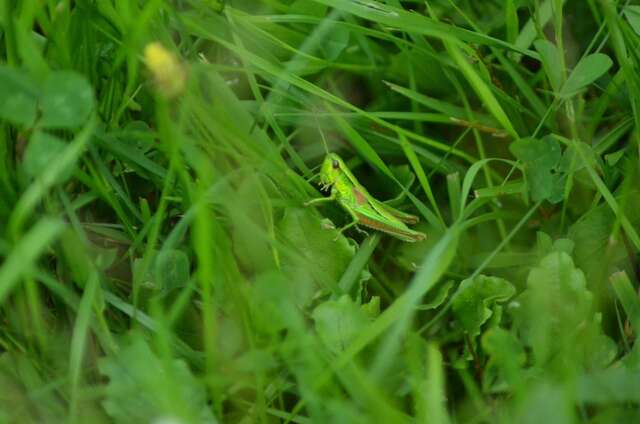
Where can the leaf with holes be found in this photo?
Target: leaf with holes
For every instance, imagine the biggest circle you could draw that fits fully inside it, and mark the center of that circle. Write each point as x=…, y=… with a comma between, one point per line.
x=541, y=159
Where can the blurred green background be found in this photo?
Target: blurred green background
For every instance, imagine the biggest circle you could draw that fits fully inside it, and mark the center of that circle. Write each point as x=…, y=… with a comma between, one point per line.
x=158, y=264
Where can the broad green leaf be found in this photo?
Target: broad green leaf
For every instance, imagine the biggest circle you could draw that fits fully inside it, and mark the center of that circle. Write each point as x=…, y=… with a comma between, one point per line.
x=438, y=297
x=506, y=356
x=613, y=385
x=545, y=245
x=531, y=30
x=548, y=403
x=372, y=308
x=632, y=13
x=551, y=60
x=271, y=299
x=171, y=269
x=632, y=359
x=43, y=149
x=75, y=256
x=144, y=388
x=592, y=235
x=19, y=96
x=574, y=160
x=586, y=72
x=319, y=260
x=338, y=322
x=256, y=361
x=556, y=317
x=248, y=209
x=66, y=100
x=472, y=306
x=541, y=159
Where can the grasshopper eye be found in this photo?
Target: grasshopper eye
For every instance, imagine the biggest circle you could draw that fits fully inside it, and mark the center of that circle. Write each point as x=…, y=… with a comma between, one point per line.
x=335, y=164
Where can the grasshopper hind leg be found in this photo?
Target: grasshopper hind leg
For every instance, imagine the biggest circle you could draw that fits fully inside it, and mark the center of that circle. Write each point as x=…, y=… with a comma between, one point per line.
x=346, y=227
x=353, y=223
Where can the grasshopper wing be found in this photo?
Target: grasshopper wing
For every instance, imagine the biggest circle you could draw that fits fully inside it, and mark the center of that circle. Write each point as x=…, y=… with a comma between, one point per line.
x=371, y=213
x=407, y=218
x=395, y=228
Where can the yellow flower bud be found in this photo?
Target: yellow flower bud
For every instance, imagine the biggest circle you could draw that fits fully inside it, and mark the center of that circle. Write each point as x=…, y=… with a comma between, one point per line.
x=168, y=73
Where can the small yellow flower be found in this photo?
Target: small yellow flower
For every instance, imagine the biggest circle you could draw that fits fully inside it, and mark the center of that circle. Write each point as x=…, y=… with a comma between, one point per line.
x=168, y=73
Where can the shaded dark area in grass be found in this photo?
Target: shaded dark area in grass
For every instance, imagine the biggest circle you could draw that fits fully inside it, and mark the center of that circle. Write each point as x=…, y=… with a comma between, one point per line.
x=159, y=264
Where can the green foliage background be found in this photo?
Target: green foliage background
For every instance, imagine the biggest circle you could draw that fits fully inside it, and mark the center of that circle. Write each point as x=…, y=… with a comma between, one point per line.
x=158, y=264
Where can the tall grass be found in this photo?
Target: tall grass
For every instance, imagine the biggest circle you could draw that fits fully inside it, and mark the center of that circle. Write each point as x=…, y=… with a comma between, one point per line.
x=158, y=263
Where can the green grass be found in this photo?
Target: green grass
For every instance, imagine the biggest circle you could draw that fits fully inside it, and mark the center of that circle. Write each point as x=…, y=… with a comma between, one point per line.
x=158, y=264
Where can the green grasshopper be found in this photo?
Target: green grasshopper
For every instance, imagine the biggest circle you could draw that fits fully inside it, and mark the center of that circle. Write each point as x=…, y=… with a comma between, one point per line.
x=363, y=208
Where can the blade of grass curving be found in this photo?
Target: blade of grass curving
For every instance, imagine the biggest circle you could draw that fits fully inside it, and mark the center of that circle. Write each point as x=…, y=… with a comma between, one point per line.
x=607, y=195
x=134, y=157
x=27, y=203
x=628, y=297
x=265, y=107
x=325, y=95
x=79, y=341
x=625, y=62
x=352, y=273
x=481, y=88
x=415, y=23
x=25, y=252
x=420, y=174
x=436, y=397
x=362, y=146
x=446, y=108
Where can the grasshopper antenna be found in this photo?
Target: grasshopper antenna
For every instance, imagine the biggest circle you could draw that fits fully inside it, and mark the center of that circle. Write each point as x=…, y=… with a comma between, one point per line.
x=324, y=140
x=314, y=176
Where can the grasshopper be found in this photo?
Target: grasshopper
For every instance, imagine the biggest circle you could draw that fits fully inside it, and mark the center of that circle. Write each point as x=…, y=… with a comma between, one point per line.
x=363, y=208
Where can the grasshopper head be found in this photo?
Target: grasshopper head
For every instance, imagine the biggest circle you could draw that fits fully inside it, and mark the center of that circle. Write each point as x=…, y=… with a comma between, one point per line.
x=331, y=168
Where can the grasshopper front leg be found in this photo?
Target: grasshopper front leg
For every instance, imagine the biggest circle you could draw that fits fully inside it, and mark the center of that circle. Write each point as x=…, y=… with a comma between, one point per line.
x=330, y=198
